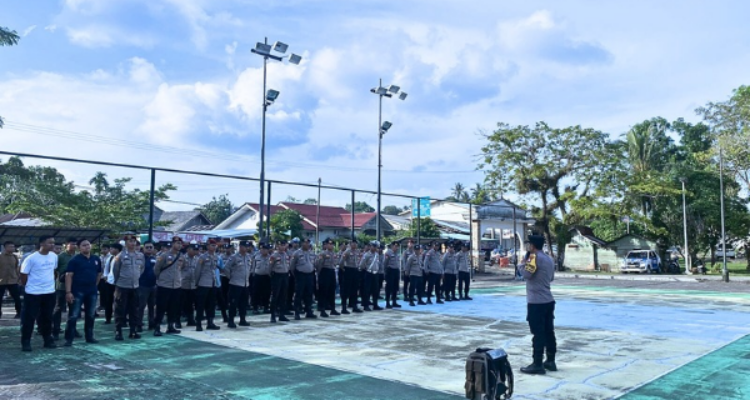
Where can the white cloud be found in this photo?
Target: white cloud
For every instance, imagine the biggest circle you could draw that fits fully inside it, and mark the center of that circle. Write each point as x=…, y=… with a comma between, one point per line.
x=50, y=28
x=28, y=30
x=143, y=72
x=245, y=94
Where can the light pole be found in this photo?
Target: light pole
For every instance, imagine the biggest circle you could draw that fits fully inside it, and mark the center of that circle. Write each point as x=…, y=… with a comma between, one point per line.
x=264, y=50
x=382, y=129
x=725, y=271
x=684, y=224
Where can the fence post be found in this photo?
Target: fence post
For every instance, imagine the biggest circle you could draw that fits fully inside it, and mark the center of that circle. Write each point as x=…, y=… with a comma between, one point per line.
x=268, y=212
x=353, y=235
x=419, y=221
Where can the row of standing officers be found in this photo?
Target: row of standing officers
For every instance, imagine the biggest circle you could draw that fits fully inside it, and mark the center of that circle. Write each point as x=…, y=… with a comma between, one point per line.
x=193, y=279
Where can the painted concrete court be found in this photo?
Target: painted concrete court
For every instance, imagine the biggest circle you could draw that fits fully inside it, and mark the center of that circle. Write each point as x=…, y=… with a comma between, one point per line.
x=636, y=342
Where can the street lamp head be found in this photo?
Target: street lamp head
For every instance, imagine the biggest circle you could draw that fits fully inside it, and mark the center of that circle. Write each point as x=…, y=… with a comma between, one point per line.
x=683, y=179
x=295, y=59
x=271, y=96
x=402, y=96
x=262, y=48
x=280, y=47
x=379, y=90
x=394, y=89
x=386, y=126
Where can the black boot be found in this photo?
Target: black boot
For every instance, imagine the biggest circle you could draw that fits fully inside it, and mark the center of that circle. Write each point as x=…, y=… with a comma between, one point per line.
x=422, y=303
x=388, y=305
x=25, y=346
x=172, y=330
x=334, y=312
x=324, y=314
x=310, y=315
x=231, y=324
x=429, y=300
x=198, y=326
x=550, y=364
x=157, y=331
x=534, y=369
x=297, y=317
x=273, y=318
x=211, y=326
x=178, y=325
x=467, y=297
x=345, y=311
x=118, y=335
x=191, y=322
x=283, y=318
x=243, y=322
x=411, y=303
x=396, y=305
x=134, y=334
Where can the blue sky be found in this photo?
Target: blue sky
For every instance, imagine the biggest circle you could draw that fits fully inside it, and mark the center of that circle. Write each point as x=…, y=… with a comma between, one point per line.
x=172, y=83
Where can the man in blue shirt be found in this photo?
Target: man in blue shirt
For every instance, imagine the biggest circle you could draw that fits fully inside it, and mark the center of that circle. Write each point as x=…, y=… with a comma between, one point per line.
x=147, y=287
x=81, y=281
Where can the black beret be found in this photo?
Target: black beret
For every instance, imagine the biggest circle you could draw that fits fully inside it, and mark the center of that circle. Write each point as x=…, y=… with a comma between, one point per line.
x=246, y=243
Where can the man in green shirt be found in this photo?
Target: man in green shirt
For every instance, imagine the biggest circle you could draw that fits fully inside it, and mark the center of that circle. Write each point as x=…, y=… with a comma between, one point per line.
x=61, y=304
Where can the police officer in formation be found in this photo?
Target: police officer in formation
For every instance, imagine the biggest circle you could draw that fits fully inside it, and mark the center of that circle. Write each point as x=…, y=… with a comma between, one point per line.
x=262, y=278
x=351, y=260
x=189, y=284
x=392, y=266
x=463, y=260
x=370, y=267
x=303, y=269
x=325, y=265
x=450, y=269
x=279, y=268
x=414, y=270
x=208, y=286
x=127, y=269
x=168, y=272
x=239, y=268
x=435, y=270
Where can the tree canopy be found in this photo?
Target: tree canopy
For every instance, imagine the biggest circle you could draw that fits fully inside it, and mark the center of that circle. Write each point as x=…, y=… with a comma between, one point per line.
x=217, y=210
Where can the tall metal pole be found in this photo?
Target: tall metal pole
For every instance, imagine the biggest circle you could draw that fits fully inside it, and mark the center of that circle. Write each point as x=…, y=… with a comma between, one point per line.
x=419, y=221
x=268, y=211
x=380, y=151
x=515, y=246
x=725, y=272
x=317, y=217
x=471, y=238
x=684, y=224
x=352, y=216
x=151, y=206
x=263, y=146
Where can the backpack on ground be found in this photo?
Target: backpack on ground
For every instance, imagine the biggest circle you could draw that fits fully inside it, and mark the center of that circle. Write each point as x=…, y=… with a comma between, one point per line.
x=488, y=375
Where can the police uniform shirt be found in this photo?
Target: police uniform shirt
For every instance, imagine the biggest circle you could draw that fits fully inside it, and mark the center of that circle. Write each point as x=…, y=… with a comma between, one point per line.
x=413, y=265
x=365, y=261
x=168, y=270
x=206, y=270
x=279, y=262
x=374, y=266
x=127, y=269
x=449, y=263
x=238, y=269
x=462, y=261
x=326, y=259
x=261, y=264
x=189, y=281
x=351, y=258
x=432, y=262
x=302, y=261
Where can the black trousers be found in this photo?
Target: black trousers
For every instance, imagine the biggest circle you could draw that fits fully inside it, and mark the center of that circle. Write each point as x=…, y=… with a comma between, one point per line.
x=352, y=286
x=392, y=277
x=37, y=308
x=167, y=302
x=406, y=280
x=237, y=300
x=291, y=289
x=303, y=291
x=381, y=279
x=279, y=286
x=147, y=299
x=187, y=300
x=343, y=289
x=261, y=291
x=126, y=308
x=107, y=299
x=371, y=289
x=61, y=307
x=416, y=286
x=205, y=304
x=449, y=286
x=222, y=296
x=464, y=279
x=541, y=318
x=434, y=284
x=425, y=280
x=327, y=292
x=15, y=293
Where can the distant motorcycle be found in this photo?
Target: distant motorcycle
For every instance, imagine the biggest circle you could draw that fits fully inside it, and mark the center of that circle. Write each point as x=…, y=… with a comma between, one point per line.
x=700, y=267
x=673, y=267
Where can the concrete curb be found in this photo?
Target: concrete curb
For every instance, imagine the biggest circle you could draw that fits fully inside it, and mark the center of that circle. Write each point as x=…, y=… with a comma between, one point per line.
x=630, y=277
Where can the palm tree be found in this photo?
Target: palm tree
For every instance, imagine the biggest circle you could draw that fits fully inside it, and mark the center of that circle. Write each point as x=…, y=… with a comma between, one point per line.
x=100, y=182
x=647, y=149
x=8, y=37
x=458, y=192
x=479, y=194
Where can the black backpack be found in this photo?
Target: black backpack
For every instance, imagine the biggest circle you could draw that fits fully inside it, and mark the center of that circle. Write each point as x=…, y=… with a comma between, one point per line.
x=489, y=375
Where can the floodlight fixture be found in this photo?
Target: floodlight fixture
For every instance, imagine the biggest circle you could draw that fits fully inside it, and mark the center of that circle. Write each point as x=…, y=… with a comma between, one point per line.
x=262, y=48
x=394, y=89
x=386, y=126
x=272, y=95
x=402, y=96
x=295, y=59
x=280, y=47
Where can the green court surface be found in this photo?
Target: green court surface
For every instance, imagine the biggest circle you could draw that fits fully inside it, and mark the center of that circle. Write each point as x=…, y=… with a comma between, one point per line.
x=723, y=374
x=177, y=368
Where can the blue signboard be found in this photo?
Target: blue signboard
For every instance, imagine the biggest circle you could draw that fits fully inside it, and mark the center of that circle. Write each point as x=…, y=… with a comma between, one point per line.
x=424, y=207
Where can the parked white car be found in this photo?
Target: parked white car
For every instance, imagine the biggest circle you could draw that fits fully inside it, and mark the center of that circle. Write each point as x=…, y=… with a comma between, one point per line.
x=641, y=261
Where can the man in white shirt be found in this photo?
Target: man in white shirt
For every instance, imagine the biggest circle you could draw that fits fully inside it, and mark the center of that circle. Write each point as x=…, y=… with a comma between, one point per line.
x=38, y=275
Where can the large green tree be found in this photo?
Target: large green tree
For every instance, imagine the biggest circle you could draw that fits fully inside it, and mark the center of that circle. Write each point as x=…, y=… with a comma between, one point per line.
x=391, y=210
x=218, y=209
x=8, y=37
x=427, y=229
x=538, y=160
x=359, y=207
x=286, y=224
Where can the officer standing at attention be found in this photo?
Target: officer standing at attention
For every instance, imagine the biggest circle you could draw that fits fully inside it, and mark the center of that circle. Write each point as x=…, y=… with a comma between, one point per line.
x=392, y=266
x=127, y=269
x=262, y=278
x=404, y=257
x=292, y=248
x=350, y=260
x=325, y=264
x=207, y=290
x=450, y=269
x=189, y=284
x=303, y=270
x=371, y=271
x=435, y=268
x=168, y=271
x=463, y=260
x=279, y=267
x=538, y=270
x=238, y=269
x=413, y=269
x=342, y=273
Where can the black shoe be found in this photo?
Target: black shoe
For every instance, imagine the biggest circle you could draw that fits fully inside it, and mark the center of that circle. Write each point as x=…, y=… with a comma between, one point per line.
x=461, y=297
x=225, y=319
x=273, y=319
x=50, y=345
x=178, y=325
x=422, y=303
x=266, y=311
x=190, y=323
x=440, y=302
x=213, y=327
x=357, y=310
x=139, y=329
x=243, y=323
x=334, y=312
x=107, y=322
x=78, y=335
x=256, y=312
x=448, y=299
x=377, y=308
x=55, y=336
x=429, y=301
x=151, y=327
x=467, y=298
x=367, y=308
x=68, y=343
x=92, y=341
x=232, y=325
x=157, y=332
x=297, y=317
x=534, y=369
x=345, y=311
x=550, y=366
x=25, y=346
x=388, y=306
x=324, y=314
x=173, y=331
x=411, y=303
x=198, y=327
x=311, y=316
x=396, y=305
x=283, y=318
x=118, y=336
x=289, y=313
x=134, y=335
